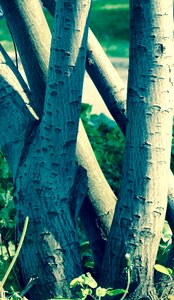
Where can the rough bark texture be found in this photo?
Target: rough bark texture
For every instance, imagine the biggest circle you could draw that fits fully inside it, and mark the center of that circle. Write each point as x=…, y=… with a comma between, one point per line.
x=94, y=184
x=103, y=74
x=47, y=171
x=112, y=93
x=86, y=157
x=141, y=208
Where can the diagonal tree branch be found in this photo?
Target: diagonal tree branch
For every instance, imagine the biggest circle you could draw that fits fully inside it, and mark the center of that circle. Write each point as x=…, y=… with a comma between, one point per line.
x=15, y=107
x=25, y=28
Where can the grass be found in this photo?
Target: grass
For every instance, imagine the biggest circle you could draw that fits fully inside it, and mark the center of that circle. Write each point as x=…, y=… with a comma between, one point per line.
x=109, y=22
x=6, y=39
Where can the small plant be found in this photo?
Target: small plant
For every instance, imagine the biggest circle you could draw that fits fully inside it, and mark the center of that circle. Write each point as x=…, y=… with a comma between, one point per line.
x=86, y=255
x=13, y=295
x=164, y=270
x=165, y=245
x=87, y=286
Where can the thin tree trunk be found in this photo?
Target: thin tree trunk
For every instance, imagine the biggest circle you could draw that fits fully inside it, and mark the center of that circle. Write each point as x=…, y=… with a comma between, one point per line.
x=103, y=74
x=140, y=212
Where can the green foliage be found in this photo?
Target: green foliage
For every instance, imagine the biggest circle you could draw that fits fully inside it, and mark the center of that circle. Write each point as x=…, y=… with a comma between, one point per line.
x=86, y=255
x=107, y=142
x=87, y=286
x=7, y=219
x=165, y=244
x=164, y=270
x=14, y=295
x=7, y=208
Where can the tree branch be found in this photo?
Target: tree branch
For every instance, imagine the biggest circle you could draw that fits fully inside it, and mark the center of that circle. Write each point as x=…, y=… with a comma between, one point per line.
x=35, y=46
x=15, y=108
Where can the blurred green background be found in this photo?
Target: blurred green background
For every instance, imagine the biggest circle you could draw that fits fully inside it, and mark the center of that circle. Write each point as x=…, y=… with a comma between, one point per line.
x=109, y=22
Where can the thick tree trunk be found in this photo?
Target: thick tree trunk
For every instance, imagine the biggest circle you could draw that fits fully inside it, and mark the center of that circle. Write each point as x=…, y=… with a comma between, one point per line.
x=112, y=91
x=140, y=211
x=47, y=171
x=98, y=188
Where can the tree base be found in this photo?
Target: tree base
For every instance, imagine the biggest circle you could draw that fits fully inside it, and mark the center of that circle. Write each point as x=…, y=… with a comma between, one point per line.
x=143, y=293
x=162, y=290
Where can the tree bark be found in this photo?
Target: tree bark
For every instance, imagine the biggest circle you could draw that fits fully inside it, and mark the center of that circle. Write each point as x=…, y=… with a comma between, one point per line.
x=47, y=171
x=103, y=74
x=97, y=185
x=112, y=91
x=140, y=211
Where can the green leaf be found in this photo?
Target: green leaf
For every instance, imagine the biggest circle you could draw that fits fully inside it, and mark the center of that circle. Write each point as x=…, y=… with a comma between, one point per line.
x=90, y=281
x=75, y=282
x=164, y=270
x=111, y=292
x=89, y=264
x=86, y=292
x=85, y=246
x=101, y=292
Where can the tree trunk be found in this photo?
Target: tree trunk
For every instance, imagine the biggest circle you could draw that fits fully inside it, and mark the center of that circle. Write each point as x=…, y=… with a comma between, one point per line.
x=112, y=91
x=99, y=192
x=140, y=212
x=47, y=172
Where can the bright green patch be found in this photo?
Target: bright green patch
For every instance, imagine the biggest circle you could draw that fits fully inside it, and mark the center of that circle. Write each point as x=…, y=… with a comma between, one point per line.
x=115, y=6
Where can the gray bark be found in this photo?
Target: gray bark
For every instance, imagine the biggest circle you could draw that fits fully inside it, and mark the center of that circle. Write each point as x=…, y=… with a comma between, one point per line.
x=141, y=208
x=47, y=171
x=112, y=91
x=103, y=74
x=97, y=185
